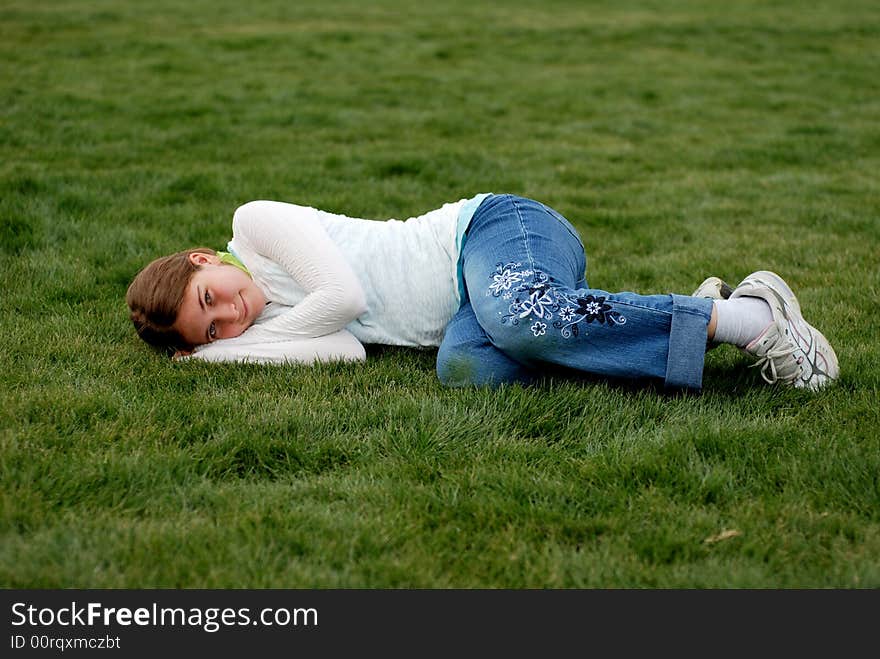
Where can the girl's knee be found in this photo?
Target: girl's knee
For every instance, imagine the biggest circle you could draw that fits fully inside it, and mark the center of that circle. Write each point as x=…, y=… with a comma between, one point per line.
x=465, y=366
x=455, y=374
x=456, y=366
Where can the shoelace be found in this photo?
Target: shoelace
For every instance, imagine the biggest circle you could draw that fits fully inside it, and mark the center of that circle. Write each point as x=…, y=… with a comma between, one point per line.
x=768, y=361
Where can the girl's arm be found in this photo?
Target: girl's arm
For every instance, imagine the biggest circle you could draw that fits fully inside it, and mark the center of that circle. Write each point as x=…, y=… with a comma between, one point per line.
x=293, y=237
x=339, y=346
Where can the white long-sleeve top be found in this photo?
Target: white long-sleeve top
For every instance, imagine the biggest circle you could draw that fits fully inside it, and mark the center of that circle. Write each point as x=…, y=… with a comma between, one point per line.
x=334, y=282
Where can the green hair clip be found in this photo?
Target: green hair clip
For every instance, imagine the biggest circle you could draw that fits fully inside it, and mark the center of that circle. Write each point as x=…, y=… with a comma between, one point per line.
x=230, y=259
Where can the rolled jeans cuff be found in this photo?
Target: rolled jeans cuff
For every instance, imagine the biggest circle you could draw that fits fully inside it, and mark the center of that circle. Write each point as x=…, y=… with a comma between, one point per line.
x=687, y=342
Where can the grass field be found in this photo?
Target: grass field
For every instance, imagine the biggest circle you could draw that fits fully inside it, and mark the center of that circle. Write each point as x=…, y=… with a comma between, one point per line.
x=682, y=138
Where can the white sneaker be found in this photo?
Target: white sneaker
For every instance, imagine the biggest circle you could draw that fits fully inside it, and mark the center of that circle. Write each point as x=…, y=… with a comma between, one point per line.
x=713, y=288
x=789, y=350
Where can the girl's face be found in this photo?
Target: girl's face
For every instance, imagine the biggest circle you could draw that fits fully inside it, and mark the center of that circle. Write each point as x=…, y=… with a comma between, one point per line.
x=220, y=302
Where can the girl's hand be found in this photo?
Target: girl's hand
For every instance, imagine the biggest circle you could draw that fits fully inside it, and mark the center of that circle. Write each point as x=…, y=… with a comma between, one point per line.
x=180, y=354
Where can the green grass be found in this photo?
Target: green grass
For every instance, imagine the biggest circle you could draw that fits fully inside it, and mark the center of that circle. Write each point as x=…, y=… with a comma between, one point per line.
x=682, y=139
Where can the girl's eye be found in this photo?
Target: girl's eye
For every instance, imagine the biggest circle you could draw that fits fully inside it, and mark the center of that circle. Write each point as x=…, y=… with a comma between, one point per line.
x=212, y=331
x=207, y=297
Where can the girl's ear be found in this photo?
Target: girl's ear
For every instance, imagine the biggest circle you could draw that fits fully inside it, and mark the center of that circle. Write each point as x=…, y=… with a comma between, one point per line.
x=200, y=258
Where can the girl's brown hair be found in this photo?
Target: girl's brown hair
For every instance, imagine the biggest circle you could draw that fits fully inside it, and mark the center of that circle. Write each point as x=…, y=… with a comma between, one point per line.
x=155, y=295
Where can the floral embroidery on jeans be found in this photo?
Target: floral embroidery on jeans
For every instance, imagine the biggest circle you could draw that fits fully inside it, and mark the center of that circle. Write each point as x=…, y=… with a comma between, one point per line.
x=505, y=277
x=586, y=309
x=531, y=294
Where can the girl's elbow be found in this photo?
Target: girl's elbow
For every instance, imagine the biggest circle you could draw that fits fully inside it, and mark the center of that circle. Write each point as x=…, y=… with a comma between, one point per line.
x=346, y=307
x=353, y=300
x=358, y=304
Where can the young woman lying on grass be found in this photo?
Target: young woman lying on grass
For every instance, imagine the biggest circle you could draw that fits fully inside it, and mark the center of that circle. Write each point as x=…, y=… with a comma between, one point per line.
x=496, y=281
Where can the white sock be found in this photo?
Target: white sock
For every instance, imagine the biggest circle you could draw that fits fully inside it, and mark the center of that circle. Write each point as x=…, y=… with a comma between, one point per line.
x=741, y=320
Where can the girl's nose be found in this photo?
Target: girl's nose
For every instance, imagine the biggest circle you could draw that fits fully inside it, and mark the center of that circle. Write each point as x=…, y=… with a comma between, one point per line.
x=227, y=312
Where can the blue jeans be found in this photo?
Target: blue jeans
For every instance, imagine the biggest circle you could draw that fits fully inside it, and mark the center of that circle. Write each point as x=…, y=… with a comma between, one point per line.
x=528, y=307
